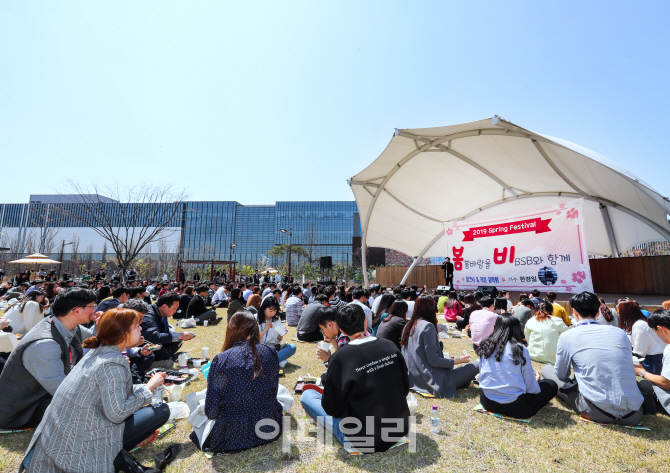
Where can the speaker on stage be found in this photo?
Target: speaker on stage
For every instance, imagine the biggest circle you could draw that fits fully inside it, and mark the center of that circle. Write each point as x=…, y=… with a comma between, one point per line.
x=489, y=290
x=326, y=262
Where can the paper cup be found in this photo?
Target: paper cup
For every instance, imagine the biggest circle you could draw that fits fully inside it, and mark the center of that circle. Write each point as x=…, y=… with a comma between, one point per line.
x=205, y=323
x=325, y=346
x=205, y=352
x=196, y=363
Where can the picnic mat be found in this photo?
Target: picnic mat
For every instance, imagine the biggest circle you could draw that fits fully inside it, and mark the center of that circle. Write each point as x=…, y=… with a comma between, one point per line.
x=15, y=431
x=639, y=426
x=479, y=408
x=162, y=432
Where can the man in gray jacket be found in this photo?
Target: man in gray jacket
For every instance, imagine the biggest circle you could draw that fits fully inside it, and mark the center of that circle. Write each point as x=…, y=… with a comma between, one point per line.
x=40, y=362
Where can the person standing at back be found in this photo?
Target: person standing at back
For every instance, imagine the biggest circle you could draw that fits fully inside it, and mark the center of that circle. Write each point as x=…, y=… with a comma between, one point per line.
x=448, y=268
x=604, y=389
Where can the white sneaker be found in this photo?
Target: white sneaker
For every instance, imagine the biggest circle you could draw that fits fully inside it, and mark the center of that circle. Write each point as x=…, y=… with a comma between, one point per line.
x=283, y=363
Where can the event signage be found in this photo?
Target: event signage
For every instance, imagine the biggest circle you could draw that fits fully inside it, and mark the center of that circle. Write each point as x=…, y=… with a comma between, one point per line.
x=543, y=248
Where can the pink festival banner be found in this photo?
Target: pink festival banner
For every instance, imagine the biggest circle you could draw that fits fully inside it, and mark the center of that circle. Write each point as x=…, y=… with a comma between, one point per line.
x=543, y=248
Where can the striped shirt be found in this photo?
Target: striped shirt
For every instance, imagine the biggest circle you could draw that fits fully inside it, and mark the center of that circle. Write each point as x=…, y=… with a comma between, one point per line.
x=294, y=311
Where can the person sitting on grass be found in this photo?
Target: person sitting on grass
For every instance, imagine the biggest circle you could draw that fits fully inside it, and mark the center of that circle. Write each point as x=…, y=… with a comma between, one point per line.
x=373, y=399
x=307, y=329
x=656, y=387
x=429, y=371
x=140, y=357
x=385, y=302
x=293, y=307
x=559, y=311
x=542, y=332
x=196, y=307
x=645, y=341
x=155, y=329
x=272, y=331
x=452, y=308
x=242, y=390
x=482, y=321
x=604, y=389
x=97, y=411
x=236, y=303
x=326, y=319
x=509, y=385
x=43, y=359
x=392, y=326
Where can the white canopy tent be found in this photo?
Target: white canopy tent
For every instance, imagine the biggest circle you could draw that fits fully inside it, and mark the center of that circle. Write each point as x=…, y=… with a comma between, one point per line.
x=428, y=176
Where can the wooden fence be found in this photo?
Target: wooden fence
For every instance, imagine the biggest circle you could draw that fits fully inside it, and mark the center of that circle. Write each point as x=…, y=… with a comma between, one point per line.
x=648, y=275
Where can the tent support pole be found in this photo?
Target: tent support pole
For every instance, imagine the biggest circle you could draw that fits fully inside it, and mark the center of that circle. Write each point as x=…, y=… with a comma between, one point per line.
x=610, y=230
x=418, y=258
x=364, y=262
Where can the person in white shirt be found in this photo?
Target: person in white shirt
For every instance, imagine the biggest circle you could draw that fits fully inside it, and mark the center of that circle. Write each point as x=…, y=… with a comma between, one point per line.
x=165, y=277
x=26, y=314
x=272, y=331
x=220, y=298
x=656, y=388
x=505, y=294
x=644, y=340
x=360, y=299
x=406, y=294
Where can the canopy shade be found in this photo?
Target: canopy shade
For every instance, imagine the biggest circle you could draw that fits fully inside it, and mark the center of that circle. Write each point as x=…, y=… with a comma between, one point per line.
x=269, y=270
x=35, y=258
x=428, y=176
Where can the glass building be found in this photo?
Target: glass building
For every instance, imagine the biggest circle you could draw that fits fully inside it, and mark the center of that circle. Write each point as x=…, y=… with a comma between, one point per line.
x=204, y=230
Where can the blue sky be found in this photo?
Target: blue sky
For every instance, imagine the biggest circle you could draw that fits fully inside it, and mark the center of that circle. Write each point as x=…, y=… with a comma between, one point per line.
x=266, y=101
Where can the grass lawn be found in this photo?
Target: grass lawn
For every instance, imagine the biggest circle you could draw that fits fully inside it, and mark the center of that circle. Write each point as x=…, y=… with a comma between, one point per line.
x=555, y=440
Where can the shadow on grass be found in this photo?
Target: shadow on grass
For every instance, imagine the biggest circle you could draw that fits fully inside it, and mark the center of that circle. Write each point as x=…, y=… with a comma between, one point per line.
x=16, y=442
x=427, y=453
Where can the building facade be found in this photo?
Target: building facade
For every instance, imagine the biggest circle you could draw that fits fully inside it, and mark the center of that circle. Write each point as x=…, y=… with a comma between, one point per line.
x=222, y=230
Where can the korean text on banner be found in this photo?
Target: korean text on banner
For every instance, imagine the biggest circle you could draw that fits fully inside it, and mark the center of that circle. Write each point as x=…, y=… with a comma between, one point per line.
x=543, y=248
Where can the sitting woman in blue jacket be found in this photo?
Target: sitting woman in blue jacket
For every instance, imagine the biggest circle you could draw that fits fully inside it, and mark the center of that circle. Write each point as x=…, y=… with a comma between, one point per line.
x=242, y=389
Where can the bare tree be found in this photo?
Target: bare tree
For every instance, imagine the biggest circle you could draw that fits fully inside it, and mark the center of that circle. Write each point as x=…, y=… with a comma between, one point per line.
x=39, y=217
x=311, y=243
x=140, y=215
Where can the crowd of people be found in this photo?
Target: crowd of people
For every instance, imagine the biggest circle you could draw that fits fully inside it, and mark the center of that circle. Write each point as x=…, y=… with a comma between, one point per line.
x=78, y=375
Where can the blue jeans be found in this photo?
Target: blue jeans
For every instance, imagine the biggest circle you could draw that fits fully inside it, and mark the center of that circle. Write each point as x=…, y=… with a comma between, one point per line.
x=287, y=352
x=311, y=402
x=143, y=423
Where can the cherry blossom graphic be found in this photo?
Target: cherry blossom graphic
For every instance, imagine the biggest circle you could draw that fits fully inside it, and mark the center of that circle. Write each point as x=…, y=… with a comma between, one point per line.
x=450, y=231
x=563, y=281
x=572, y=213
x=562, y=206
x=578, y=277
x=503, y=279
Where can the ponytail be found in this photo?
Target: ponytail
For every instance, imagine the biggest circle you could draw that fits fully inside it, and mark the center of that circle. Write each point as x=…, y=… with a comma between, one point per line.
x=91, y=342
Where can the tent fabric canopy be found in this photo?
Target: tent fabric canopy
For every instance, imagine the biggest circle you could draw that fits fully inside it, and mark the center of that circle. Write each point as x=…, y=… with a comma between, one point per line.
x=428, y=176
x=35, y=258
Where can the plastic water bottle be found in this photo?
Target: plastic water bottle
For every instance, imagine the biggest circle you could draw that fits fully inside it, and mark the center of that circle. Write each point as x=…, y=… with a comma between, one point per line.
x=434, y=421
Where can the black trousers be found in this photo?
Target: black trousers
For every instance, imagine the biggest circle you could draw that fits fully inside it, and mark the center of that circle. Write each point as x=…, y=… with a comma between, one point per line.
x=526, y=405
x=141, y=364
x=37, y=416
x=650, y=405
x=315, y=336
x=449, y=280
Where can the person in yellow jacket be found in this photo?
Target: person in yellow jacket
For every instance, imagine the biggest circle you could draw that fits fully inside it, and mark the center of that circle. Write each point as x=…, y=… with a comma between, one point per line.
x=559, y=311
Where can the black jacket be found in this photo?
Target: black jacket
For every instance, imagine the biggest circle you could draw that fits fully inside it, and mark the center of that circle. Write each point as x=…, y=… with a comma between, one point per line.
x=196, y=307
x=154, y=329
